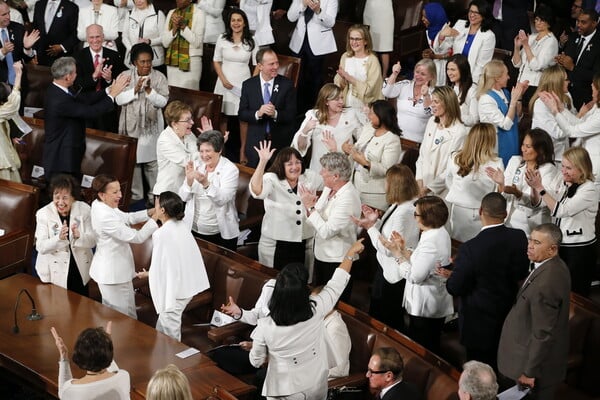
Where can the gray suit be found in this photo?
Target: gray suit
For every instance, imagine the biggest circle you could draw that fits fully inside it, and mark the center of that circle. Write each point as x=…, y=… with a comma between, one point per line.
x=535, y=335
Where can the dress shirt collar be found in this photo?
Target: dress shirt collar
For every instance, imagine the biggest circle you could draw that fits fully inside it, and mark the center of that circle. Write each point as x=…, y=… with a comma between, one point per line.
x=94, y=53
x=64, y=89
x=270, y=82
x=388, y=388
x=492, y=226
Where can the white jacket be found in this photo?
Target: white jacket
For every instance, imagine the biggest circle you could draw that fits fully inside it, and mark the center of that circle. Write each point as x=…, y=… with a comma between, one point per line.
x=147, y=23
x=108, y=18
x=177, y=270
x=54, y=255
x=259, y=19
x=113, y=261
x=425, y=294
x=172, y=156
x=214, y=25
x=320, y=27
x=481, y=52
x=576, y=216
x=220, y=192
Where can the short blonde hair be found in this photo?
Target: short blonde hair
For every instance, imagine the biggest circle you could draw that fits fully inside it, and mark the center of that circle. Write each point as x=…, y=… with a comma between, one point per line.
x=580, y=158
x=169, y=383
x=430, y=67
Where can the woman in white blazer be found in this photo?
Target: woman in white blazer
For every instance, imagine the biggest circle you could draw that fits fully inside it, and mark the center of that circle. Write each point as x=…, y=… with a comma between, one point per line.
x=377, y=149
x=285, y=235
x=554, y=80
x=214, y=25
x=444, y=135
x=64, y=238
x=177, y=271
x=467, y=181
x=291, y=338
x=537, y=153
x=319, y=28
x=145, y=24
x=259, y=19
x=183, y=39
x=327, y=126
x=101, y=14
x=426, y=299
x=473, y=38
x=573, y=201
x=209, y=189
x=112, y=267
x=458, y=77
x=176, y=146
x=330, y=216
x=401, y=192
x=584, y=127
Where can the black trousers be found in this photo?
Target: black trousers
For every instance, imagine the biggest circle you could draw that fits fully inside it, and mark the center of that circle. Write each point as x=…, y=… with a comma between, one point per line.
x=386, y=301
x=426, y=331
x=217, y=239
x=581, y=261
x=310, y=80
x=323, y=273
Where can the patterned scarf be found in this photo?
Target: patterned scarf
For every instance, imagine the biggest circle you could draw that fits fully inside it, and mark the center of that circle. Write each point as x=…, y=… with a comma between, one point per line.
x=178, y=53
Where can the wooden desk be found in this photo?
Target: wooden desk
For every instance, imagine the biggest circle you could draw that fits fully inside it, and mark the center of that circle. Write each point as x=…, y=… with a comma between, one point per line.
x=138, y=348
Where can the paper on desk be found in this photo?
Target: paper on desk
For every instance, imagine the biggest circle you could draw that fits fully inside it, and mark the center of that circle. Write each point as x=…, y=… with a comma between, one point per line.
x=513, y=393
x=187, y=353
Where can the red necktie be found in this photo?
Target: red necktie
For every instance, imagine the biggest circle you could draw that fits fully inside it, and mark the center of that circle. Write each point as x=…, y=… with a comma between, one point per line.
x=96, y=62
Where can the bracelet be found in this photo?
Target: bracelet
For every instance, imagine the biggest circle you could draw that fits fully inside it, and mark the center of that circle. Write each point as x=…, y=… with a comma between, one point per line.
x=240, y=317
x=542, y=192
x=349, y=258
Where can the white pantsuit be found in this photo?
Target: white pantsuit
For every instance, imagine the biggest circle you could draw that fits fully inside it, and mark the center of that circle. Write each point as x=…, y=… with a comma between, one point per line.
x=113, y=265
x=173, y=154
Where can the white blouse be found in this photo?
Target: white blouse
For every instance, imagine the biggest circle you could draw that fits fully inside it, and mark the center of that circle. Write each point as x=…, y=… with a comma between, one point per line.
x=544, y=51
x=412, y=117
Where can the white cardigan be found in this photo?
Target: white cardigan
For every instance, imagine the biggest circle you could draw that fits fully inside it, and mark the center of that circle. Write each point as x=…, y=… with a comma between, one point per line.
x=481, y=52
x=177, y=270
x=113, y=261
x=220, y=192
x=425, y=294
x=54, y=254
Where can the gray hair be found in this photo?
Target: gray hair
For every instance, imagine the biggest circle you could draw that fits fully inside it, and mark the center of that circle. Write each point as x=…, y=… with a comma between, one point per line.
x=337, y=163
x=553, y=232
x=214, y=138
x=63, y=67
x=478, y=380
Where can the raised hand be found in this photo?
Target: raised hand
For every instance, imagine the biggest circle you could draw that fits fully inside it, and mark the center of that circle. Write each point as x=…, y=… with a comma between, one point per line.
x=495, y=174
x=60, y=345
x=329, y=140
x=205, y=124
x=231, y=308
x=307, y=196
x=29, y=39
x=264, y=150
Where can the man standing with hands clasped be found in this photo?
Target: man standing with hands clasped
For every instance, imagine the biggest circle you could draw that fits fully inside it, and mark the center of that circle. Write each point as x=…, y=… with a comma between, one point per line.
x=535, y=338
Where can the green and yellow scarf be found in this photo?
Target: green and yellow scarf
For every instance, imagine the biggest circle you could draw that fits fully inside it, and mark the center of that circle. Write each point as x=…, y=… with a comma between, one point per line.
x=178, y=53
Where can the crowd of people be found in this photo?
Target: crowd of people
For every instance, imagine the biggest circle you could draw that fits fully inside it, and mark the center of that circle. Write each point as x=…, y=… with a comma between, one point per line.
x=511, y=196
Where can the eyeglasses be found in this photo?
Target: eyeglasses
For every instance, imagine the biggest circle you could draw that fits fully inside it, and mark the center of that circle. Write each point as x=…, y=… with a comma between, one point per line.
x=474, y=12
x=355, y=39
x=189, y=120
x=371, y=372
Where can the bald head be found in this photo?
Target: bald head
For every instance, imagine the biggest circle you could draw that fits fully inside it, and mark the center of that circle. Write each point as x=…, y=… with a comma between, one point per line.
x=94, y=35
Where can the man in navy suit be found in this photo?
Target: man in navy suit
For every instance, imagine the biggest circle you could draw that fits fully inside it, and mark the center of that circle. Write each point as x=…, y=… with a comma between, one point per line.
x=96, y=68
x=64, y=140
x=581, y=57
x=385, y=376
x=486, y=275
x=268, y=105
x=16, y=43
x=57, y=22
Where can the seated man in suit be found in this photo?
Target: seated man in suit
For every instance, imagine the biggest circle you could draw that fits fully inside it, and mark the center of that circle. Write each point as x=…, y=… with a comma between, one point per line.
x=96, y=67
x=64, y=139
x=485, y=276
x=16, y=44
x=56, y=20
x=268, y=105
x=534, y=344
x=477, y=382
x=385, y=376
x=581, y=57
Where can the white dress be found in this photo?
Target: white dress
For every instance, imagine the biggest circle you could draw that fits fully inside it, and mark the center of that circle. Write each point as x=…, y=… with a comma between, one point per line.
x=234, y=59
x=379, y=15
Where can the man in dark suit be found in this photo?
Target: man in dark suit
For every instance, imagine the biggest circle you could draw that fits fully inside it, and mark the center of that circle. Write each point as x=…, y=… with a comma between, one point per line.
x=268, y=105
x=485, y=276
x=385, y=376
x=511, y=16
x=477, y=382
x=16, y=44
x=64, y=140
x=57, y=22
x=96, y=68
x=535, y=337
x=581, y=57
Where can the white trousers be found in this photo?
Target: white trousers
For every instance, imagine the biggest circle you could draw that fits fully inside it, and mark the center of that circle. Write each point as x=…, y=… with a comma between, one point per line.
x=186, y=79
x=169, y=322
x=317, y=392
x=465, y=223
x=120, y=297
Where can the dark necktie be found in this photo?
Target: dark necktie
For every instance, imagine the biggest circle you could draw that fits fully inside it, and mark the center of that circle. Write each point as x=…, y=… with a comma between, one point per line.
x=308, y=14
x=579, y=47
x=96, y=62
x=266, y=100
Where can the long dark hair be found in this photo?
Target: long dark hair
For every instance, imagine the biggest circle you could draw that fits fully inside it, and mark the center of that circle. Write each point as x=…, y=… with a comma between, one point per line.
x=486, y=14
x=466, y=79
x=290, y=302
x=247, y=38
x=387, y=116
